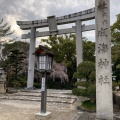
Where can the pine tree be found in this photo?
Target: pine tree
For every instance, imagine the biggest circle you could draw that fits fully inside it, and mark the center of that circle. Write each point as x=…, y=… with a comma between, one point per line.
x=16, y=58
x=115, y=31
x=5, y=31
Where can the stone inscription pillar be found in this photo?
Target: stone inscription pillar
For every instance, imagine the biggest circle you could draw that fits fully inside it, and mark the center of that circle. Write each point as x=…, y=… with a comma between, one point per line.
x=30, y=79
x=103, y=61
x=79, y=49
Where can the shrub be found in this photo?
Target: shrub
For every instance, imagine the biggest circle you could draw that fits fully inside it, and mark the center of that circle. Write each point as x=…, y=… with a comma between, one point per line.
x=84, y=69
x=23, y=82
x=58, y=85
x=119, y=83
x=16, y=84
x=88, y=105
x=92, y=77
x=82, y=83
x=79, y=92
x=91, y=92
x=37, y=85
x=114, y=84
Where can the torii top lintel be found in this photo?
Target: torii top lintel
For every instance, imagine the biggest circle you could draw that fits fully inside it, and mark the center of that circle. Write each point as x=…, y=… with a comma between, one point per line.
x=71, y=18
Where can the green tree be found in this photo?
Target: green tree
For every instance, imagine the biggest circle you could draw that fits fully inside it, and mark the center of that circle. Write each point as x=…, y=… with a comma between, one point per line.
x=11, y=63
x=115, y=60
x=15, y=59
x=115, y=37
x=5, y=32
x=115, y=31
x=62, y=47
x=23, y=46
x=64, y=51
x=88, y=50
x=5, y=29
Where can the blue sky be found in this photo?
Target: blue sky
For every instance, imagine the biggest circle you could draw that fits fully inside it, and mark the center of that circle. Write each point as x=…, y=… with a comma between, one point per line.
x=13, y=10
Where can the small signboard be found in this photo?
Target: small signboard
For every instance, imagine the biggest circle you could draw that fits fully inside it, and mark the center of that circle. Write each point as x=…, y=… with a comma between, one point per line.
x=43, y=84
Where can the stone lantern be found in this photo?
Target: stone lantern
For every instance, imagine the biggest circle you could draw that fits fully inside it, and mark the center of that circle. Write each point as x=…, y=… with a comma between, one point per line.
x=2, y=81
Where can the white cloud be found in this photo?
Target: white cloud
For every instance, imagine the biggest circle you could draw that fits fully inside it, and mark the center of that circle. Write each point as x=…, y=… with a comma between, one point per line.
x=12, y=10
x=14, y=26
x=90, y=35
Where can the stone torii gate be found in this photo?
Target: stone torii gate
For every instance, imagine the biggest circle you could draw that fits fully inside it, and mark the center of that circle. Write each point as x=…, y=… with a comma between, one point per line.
x=52, y=23
x=101, y=14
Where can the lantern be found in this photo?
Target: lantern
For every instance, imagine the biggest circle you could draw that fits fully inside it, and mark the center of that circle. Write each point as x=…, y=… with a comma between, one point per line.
x=44, y=59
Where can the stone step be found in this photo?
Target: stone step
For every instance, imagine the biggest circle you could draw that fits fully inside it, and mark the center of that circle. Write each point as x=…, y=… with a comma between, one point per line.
x=68, y=92
x=31, y=98
x=38, y=94
x=56, y=97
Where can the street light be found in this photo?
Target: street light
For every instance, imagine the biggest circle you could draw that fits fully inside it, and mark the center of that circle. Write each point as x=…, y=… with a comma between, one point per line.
x=44, y=65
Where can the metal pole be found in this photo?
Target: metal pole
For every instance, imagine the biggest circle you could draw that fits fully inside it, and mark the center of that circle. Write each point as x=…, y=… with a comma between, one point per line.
x=43, y=93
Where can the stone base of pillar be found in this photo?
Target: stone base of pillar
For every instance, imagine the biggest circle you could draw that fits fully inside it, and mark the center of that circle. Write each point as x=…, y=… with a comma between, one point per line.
x=42, y=116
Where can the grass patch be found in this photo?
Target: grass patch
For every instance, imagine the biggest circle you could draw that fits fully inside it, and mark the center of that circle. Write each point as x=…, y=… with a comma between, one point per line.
x=88, y=105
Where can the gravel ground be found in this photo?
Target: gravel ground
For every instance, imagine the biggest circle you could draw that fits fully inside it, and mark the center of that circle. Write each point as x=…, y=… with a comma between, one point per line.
x=26, y=110
x=9, y=112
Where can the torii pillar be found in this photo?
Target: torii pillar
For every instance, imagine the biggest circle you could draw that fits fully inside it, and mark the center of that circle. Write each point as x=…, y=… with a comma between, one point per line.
x=79, y=46
x=31, y=65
